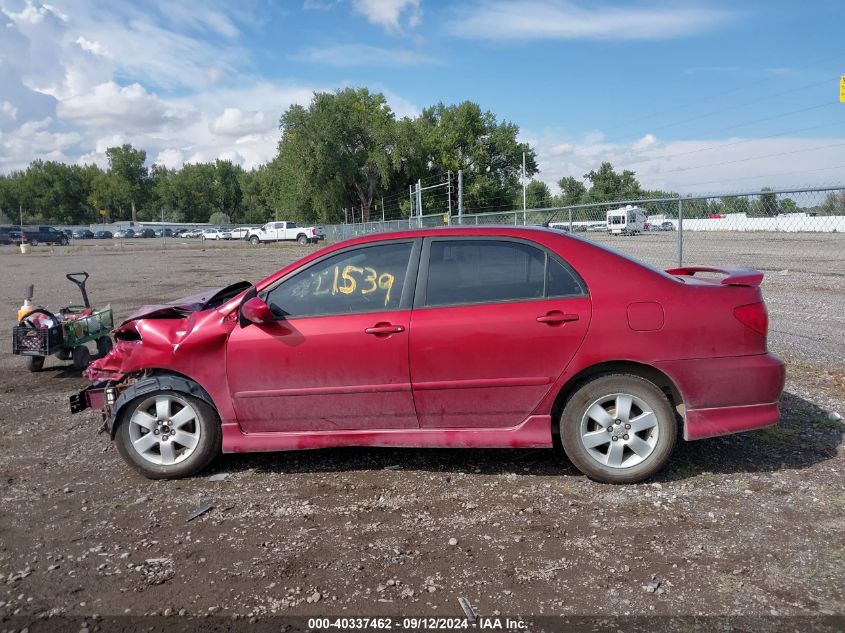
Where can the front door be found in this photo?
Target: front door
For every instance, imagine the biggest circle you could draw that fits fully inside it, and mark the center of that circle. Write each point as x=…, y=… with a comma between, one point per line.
x=338, y=357
x=495, y=322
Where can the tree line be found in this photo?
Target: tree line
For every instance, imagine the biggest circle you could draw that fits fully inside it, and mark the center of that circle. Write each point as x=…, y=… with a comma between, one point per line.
x=344, y=152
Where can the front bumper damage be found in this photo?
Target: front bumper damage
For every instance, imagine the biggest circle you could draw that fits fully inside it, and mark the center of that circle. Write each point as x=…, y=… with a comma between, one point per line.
x=92, y=397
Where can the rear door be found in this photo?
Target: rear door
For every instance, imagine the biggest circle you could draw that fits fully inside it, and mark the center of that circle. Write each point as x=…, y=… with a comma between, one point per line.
x=495, y=322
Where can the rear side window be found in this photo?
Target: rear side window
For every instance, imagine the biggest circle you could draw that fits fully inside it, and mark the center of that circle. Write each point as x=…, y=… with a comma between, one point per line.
x=368, y=279
x=489, y=271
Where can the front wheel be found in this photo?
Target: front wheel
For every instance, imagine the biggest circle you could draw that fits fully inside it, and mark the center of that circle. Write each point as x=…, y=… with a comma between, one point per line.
x=168, y=434
x=618, y=428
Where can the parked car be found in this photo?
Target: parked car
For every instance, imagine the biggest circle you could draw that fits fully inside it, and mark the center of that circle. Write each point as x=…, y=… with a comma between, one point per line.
x=146, y=233
x=666, y=226
x=180, y=232
x=193, y=233
x=36, y=235
x=125, y=234
x=473, y=337
x=103, y=235
x=216, y=234
x=163, y=233
x=83, y=234
x=9, y=235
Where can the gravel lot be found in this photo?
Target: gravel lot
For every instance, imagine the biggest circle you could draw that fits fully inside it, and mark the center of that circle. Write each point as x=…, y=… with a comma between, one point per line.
x=750, y=524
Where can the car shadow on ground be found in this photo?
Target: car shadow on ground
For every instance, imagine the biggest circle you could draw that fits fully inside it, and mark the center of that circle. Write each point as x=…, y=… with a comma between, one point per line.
x=805, y=437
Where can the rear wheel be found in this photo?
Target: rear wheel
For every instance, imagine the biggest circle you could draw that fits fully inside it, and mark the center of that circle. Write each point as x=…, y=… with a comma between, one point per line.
x=168, y=434
x=618, y=428
x=35, y=363
x=33, y=242
x=254, y=240
x=302, y=239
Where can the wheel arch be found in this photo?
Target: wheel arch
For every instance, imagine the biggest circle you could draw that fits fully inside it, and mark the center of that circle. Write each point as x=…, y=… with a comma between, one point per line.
x=159, y=381
x=650, y=373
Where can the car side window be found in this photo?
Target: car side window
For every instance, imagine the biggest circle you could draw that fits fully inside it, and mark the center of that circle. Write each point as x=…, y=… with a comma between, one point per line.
x=483, y=271
x=491, y=271
x=367, y=279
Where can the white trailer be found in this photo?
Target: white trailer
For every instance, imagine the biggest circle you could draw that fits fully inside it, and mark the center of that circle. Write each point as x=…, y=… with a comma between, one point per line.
x=628, y=220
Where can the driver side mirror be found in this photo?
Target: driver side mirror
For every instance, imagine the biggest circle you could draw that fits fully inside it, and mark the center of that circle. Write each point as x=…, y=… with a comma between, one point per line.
x=256, y=311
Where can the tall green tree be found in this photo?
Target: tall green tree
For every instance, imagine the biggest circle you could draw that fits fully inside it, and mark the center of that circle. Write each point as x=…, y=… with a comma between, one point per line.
x=128, y=176
x=606, y=185
x=336, y=152
x=572, y=191
x=766, y=204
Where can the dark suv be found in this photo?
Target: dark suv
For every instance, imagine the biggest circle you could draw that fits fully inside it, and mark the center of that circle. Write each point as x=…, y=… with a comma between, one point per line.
x=36, y=235
x=10, y=235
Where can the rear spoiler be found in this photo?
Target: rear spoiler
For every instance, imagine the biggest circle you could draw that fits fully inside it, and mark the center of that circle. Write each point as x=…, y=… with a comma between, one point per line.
x=733, y=276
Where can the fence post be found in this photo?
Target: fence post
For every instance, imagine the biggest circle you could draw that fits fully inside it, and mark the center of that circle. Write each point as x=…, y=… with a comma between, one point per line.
x=570, y=220
x=460, y=192
x=680, y=233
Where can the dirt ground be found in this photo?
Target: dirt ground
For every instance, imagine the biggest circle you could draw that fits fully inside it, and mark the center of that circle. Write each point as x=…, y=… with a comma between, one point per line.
x=751, y=524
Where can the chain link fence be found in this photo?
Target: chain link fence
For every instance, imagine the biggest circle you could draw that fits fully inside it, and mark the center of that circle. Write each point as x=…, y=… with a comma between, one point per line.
x=723, y=229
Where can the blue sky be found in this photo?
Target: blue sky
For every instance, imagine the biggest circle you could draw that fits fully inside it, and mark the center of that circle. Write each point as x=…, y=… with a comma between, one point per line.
x=694, y=97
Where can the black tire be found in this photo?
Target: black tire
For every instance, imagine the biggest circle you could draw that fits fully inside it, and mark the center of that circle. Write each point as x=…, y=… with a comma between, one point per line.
x=81, y=357
x=63, y=242
x=104, y=346
x=35, y=363
x=207, y=449
x=302, y=239
x=33, y=242
x=64, y=354
x=254, y=240
x=662, y=435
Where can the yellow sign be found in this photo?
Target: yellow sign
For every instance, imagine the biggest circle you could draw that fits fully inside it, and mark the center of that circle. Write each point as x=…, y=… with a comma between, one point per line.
x=103, y=212
x=445, y=218
x=842, y=89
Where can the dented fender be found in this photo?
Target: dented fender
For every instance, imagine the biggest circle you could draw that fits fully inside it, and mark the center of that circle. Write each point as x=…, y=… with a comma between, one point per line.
x=186, y=346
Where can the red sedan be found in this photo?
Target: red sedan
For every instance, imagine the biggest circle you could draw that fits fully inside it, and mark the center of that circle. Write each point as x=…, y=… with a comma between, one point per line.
x=457, y=337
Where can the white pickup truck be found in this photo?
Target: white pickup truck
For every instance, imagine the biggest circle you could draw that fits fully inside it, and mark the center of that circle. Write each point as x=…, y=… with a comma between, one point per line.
x=279, y=231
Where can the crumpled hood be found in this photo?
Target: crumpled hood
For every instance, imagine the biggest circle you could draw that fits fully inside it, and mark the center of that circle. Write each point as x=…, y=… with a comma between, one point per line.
x=186, y=305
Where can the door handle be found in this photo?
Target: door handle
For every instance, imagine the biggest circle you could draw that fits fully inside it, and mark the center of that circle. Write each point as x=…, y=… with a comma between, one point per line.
x=555, y=316
x=384, y=328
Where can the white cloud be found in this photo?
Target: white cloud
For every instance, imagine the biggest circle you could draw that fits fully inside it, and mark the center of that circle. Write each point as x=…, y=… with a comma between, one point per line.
x=698, y=166
x=387, y=13
x=93, y=47
x=34, y=14
x=535, y=19
x=8, y=110
x=129, y=106
x=345, y=55
x=236, y=122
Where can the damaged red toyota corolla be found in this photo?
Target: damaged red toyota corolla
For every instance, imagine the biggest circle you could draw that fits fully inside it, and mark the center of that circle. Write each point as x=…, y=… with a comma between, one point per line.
x=456, y=337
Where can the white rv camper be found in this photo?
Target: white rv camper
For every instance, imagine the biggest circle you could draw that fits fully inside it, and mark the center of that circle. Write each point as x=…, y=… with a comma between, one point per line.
x=626, y=221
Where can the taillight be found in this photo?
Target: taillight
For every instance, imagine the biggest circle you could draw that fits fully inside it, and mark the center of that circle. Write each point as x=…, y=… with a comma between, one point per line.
x=314, y=232
x=754, y=316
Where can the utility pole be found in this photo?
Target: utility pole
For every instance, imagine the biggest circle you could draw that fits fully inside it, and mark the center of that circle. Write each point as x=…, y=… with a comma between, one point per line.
x=382, y=210
x=523, y=191
x=21, y=212
x=460, y=193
